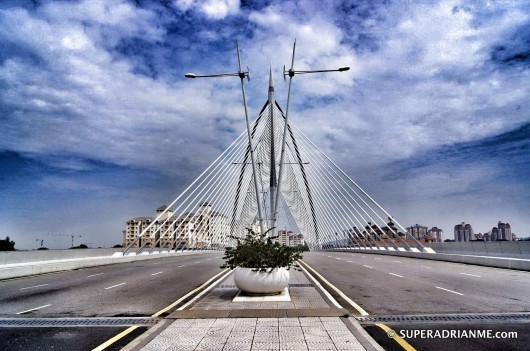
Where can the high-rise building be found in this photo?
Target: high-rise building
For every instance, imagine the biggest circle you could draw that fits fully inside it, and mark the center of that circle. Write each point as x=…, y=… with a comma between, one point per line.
x=464, y=232
x=418, y=231
x=502, y=232
x=434, y=234
x=188, y=230
x=288, y=238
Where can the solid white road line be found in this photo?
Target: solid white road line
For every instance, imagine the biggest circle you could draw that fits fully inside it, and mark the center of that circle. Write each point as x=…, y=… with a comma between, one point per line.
x=451, y=291
x=110, y=287
x=93, y=275
x=426, y=267
x=156, y=273
x=33, y=309
x=367, y=266
x=35, y=286
x=472, y=275
x=397, y=275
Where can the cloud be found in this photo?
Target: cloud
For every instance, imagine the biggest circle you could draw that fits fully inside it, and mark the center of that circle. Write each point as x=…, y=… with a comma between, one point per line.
x=213, y=9
x=89, y=85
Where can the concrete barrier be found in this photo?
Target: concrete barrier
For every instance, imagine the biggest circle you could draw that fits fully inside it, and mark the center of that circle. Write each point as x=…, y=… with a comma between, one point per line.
x=515, y=249
x=39, y=264
x=489, y=261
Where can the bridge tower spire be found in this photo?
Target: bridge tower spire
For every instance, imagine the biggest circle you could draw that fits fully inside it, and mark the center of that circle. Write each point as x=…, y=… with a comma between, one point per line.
x=273, y=179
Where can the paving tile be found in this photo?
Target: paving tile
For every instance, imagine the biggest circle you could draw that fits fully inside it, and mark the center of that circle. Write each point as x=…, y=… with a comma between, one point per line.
x=182, y=347
x=349, y=346
x=237, y=346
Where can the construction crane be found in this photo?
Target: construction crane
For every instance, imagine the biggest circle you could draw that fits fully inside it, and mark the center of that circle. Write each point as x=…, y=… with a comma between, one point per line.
x=70, y=235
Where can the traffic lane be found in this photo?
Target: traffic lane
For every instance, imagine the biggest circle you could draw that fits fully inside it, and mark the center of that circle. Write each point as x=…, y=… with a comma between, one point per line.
x=486, y=283
x=71, y=277
x=374, y=288
x=417, y=335
x=64, y=339
x=142, y=290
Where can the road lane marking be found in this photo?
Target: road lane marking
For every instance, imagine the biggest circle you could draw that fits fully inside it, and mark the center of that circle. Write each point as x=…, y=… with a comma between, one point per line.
x=397, y=275
x=392, y=334
x=35, y=286
x=377, y=258
x=350, y=261
x=367, y=266
x=472, y=275
x=181, y=266
x=189, y=294
x=115, y=338
x=341, y=294
x=156, y=273
x=426, y=267
x=451, y=291
x=110, y=287
x=33, y=309
x=93, y=275
x=396, y=261
x=197, y=261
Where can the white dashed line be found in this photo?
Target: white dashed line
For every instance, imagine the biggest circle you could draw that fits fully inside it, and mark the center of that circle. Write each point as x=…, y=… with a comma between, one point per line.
x=426, y=267
x=350, y=261
x=156, y=273
x=472, y=275
x=35, y=286
x=110, y=287
x=396, y=261
x=397, y=275
x=93, y=275
x=451, y=291
x=33, y=309
x=181, y=266
x=367, y=266
x=377, y=258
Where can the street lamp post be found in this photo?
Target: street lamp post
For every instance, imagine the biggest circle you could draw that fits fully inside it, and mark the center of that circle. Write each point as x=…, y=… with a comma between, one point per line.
x=291, y=73
x=242, y=75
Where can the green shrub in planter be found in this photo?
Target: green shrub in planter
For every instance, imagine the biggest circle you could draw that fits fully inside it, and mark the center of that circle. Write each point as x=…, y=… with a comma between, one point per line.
x=263, y=256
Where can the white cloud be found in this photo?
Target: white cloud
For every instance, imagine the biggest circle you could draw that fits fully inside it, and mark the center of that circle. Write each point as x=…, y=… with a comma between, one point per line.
x=214, y=9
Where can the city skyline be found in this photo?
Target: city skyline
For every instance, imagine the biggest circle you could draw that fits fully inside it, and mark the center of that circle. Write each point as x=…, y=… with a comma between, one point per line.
x=99, y=124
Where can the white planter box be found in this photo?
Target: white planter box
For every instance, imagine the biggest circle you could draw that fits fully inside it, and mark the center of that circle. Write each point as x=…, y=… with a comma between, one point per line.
x=261, y=282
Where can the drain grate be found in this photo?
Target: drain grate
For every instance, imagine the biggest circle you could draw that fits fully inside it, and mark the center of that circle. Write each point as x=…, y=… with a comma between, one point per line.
x=78, y=322
x=429, y=318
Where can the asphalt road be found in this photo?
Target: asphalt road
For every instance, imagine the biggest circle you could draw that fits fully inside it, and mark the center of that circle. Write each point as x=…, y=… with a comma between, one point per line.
x=130, y=289
x=391, y=285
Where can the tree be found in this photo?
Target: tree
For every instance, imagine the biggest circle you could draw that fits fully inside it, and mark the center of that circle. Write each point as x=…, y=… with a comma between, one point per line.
x=7, y=244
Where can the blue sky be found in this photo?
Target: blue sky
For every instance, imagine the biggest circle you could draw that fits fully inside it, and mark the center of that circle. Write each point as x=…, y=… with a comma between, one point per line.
x=99, y=125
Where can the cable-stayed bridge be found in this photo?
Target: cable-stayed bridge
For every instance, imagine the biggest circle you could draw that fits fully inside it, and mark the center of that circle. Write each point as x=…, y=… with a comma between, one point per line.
x=273, y=176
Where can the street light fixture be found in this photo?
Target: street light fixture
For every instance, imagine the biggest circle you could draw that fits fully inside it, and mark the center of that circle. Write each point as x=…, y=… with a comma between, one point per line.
x=242, y=75
x=291, y=72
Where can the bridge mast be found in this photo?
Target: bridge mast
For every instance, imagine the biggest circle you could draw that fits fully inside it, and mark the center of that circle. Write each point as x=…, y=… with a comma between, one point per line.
x=273, y=179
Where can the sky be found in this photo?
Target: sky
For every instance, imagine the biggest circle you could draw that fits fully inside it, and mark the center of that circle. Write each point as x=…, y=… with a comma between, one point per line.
x=99, y=125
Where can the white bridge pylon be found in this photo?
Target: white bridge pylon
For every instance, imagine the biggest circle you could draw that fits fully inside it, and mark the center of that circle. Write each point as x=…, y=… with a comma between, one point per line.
x=317, y=199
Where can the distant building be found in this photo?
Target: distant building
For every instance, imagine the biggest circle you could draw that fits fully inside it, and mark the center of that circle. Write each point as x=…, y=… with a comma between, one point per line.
x=464, y=232
x=502, y=232
x=434, y=234
x=418, y=231
x=189, y=230
x=288, y=238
